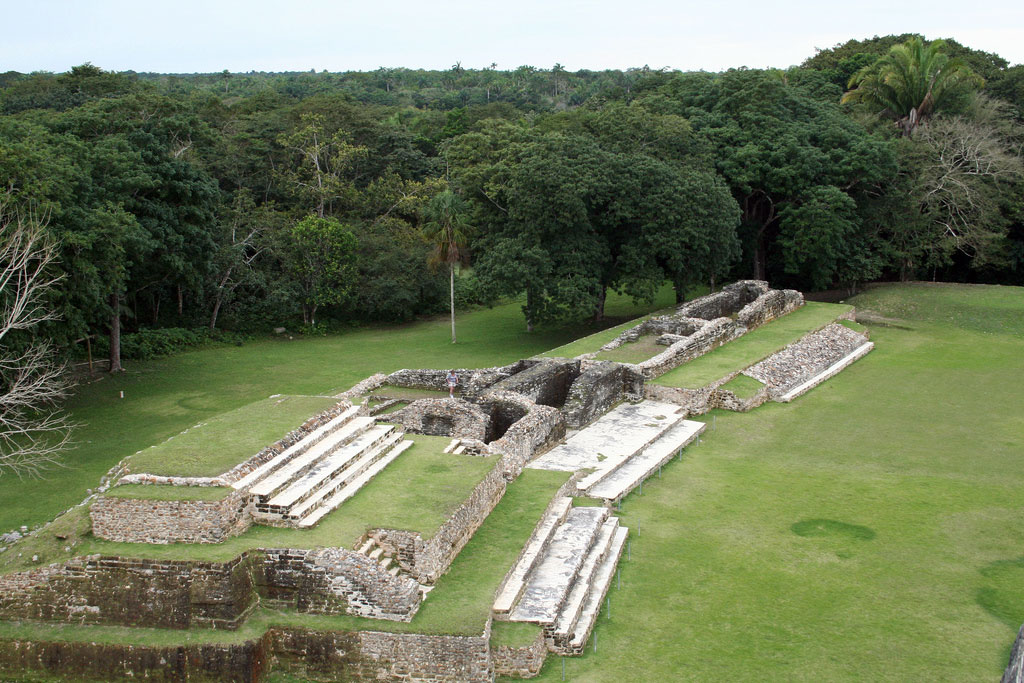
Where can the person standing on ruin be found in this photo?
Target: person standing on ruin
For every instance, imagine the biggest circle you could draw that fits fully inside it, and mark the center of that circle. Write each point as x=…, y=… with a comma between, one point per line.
x=453, y=381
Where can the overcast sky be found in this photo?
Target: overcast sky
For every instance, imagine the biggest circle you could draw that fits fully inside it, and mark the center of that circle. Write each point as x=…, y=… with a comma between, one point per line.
x=213, y=35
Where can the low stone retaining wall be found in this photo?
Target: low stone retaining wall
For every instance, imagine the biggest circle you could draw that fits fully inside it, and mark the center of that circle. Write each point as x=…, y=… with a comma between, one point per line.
x=182, y=594
x=244, y=662
x=707, y=398
x=520, y=662
x=136, y=520
x=427, y=559
x=313, y=655
x=540, y=428
x=334, y=581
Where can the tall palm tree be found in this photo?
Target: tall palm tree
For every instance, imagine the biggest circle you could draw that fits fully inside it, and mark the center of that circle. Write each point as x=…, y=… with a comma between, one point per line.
x=911, y=82
x=448, y=229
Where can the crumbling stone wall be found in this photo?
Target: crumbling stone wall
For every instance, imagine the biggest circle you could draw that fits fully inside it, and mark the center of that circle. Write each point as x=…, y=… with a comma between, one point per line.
x=313, y=655
x=472, y=381
x=724, y=303
x=772, y=304
x=441, y=417
x=600, y=385
x=244, y=662
x=98, y=589
x=540, y=428
x=334, y=581
x=505, y=408
x=520, y=662
x=111, y=590
x=545, y=383
x=134, y=520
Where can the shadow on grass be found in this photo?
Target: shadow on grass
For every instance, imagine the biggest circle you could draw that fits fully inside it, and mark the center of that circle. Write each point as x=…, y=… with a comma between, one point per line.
x=1003, y=594
x=830, y=528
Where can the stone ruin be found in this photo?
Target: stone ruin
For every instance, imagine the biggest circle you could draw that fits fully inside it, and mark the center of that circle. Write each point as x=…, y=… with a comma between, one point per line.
x=620, y=429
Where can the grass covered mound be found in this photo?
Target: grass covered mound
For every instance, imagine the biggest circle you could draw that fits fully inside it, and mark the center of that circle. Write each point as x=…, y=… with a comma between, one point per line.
x=417, y=492
x=752, y=347
x=460, y=602
x=216, y=445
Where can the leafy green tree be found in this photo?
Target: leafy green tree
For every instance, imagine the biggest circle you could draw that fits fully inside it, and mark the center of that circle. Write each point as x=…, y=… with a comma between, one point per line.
x=448, y=229
x=322, y=260
x=913, y=81
x=322, y=174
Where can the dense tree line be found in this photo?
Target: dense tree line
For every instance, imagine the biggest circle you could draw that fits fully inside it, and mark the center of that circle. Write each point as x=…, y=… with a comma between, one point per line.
x=244, y=202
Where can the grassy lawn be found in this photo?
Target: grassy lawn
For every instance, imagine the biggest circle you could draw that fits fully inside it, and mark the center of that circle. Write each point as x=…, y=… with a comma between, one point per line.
x=152, y=492
x=752, y=347
x=163, y=397
x=635, y=352
x=218, y=444
x=870, y=530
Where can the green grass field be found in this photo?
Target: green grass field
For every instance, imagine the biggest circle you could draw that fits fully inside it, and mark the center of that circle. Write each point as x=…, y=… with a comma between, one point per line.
x=752, y=347
x=869, y=530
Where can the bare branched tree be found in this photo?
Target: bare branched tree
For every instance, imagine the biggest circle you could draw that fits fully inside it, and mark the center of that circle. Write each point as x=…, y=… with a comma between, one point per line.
x=33, y=429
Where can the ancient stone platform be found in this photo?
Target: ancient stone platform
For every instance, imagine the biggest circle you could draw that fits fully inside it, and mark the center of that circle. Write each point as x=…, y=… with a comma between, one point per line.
x=623, y=447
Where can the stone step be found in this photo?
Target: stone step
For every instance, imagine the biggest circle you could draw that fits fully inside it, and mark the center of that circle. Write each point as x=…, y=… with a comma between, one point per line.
x=611, y=440
x=376, y=553
x=573, y=607
x=297, y=448
x=631, y=473
x=365, y=548
x=551, y=580
x=352, y=487
x=297, y=465
x=365, y=460
x=598, y=590
x=533, y=550
x=327, y=468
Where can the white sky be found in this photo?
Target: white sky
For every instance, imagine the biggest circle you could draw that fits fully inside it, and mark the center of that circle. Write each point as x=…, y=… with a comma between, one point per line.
x=212, y=35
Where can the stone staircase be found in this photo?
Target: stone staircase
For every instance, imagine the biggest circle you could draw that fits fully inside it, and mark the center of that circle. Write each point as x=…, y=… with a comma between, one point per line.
x=375, y=552
x=312, y=477
x=563, y=574
x=622, y=448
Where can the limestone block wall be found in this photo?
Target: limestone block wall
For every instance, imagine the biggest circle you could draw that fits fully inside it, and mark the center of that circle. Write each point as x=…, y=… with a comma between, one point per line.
x=724, y=303
x=540, y=428
x=181, y=594
x=244, y=662
x=520, y=662
x=428, y=559
x=372, y=656
x=133, y=520
x=334, y=581
x=472, y=381
x=441, y=417
x=545, y=383
x=312, y=655
x=600, y=386
x=111, y=590
x=709, y=337
x=772, y=304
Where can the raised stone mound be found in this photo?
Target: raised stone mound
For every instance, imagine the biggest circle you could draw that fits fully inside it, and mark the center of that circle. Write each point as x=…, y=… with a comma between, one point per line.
x=811, y=355
x=706, y=323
